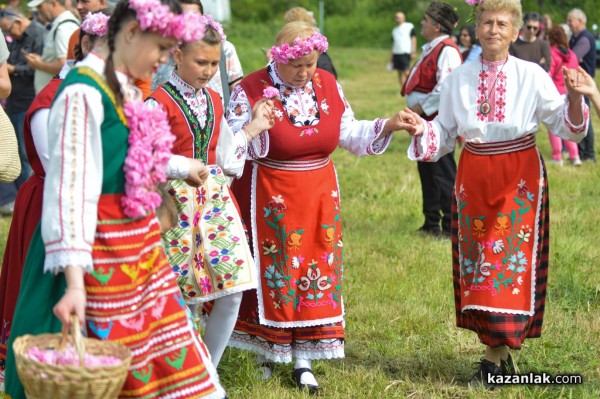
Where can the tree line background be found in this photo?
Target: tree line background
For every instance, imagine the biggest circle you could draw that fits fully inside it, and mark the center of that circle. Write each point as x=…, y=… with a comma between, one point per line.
x=368, y=23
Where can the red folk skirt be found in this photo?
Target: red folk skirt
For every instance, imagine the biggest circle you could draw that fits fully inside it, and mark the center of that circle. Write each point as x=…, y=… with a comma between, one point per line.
x=26, y=216
x=500, y=241
x=296, y=238
x=133, y=298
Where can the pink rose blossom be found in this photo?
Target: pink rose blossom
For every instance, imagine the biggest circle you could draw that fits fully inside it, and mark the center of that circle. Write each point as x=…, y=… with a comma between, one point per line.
x=271, y=93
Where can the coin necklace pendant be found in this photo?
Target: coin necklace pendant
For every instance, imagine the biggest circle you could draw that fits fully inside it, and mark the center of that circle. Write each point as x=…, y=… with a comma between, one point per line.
x=485, y=107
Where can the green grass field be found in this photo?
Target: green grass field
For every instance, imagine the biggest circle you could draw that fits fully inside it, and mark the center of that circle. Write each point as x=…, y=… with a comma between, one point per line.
x=401, y=340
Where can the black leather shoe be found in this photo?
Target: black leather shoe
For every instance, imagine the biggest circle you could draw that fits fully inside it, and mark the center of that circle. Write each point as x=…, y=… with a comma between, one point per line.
x=508, y=366
x=480, y=378
x=297, y=373
x=433, y=232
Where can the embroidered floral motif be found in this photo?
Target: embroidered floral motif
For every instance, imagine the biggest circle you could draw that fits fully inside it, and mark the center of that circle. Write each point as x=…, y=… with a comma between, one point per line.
x=314, y=286
x=480, y=273
x=324, y=106
x=201, y=123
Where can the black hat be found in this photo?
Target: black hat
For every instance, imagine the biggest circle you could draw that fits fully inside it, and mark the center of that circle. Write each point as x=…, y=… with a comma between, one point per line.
x=444, y=14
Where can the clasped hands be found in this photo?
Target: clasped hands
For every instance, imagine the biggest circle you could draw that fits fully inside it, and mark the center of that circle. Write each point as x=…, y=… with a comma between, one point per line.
x=407, y=120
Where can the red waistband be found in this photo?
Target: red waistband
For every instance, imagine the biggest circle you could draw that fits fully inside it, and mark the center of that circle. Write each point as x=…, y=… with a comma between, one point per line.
x=501, y=147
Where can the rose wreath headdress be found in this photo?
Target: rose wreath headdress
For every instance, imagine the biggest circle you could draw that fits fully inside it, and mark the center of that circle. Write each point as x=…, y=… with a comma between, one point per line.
x=284, y=53
x=156, y=17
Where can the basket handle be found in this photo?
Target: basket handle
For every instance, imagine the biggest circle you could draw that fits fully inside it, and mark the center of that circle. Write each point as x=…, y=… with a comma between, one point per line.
x=76, y=337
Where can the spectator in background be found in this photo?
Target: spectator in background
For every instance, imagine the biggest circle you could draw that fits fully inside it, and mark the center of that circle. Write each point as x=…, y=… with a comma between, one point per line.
x=404, y=48
x=561, y=56
x=546, y=25
x=25, y=36
x=228, y=74
x=440, y=56
x=301, y=14
x=56, y=42
x=583, y=45
x=528, y=46
x=467, y=43
x=83, y=8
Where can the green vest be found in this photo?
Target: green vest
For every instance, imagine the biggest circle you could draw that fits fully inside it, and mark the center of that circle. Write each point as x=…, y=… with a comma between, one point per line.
x=113, y=129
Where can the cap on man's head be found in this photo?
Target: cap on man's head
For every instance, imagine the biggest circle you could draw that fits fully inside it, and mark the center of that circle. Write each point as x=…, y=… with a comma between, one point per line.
x=34, y=3
x=444, y=14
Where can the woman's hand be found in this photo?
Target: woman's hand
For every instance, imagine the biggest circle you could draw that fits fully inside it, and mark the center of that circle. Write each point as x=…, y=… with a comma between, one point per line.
x=405, y=120
x=263, y=117
x=198, y=173
x=73, y=301
x=579, y=82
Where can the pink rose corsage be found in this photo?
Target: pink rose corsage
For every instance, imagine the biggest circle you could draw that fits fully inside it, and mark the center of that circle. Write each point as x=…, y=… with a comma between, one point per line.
x=301, y=47
x=271, y=93
x=150, y=143
x=95, y=24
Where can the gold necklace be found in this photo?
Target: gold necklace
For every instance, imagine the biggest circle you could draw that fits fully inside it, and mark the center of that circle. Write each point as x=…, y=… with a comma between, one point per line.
x=485, y=107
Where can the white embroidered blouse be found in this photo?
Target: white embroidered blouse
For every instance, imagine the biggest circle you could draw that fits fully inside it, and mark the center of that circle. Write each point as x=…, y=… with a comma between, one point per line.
x=520, y=95
x=359, y=137
x=73, y=180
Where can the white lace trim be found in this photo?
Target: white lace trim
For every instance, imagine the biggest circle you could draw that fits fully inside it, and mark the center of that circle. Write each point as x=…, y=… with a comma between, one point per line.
x=321, y=350
x=57, y=262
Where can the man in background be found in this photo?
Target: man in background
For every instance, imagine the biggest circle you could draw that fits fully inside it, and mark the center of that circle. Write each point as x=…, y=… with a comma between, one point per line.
x=24, y=36
x=583, y=45
x=529, y=46
x=440, y=56
x=405, y=46
x=63, y=24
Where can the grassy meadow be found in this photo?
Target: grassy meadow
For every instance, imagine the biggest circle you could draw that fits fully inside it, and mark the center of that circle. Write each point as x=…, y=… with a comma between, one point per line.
x=401, y=340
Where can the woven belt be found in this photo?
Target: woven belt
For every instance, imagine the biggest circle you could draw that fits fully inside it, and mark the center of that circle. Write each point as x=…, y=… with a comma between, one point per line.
x=501, y=147
x=293, y=165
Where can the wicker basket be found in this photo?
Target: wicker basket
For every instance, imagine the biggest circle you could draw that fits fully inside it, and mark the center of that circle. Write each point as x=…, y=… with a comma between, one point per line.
x=45, y=381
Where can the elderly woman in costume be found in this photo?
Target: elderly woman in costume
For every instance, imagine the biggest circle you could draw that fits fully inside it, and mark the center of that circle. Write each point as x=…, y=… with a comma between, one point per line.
x=289, y=198
x=500, y=221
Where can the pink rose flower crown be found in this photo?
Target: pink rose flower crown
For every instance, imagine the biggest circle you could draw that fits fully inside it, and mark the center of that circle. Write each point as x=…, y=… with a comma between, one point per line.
x=155, y=16
x=284, y=53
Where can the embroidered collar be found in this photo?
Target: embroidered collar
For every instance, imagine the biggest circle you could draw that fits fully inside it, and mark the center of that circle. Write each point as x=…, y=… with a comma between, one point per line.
x=183, y=87
x=494, y=64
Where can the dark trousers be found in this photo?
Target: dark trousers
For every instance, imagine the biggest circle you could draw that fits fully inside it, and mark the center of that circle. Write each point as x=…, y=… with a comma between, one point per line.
x=586, y=146
x=437, y=183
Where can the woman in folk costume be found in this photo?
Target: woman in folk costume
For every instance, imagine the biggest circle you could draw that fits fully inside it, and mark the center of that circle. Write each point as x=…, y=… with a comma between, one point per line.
x=103, y=259
x=28, y=205
x=289, y=197
x=208, y=249
x=500, y=208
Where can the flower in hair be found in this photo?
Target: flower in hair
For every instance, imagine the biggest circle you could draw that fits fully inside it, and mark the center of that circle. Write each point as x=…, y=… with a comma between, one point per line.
x=95, y=24
x=209, y=21
x=474, y=4
x=301, y=47
x=150, y=143
x=271, y=93
x=157, y=17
